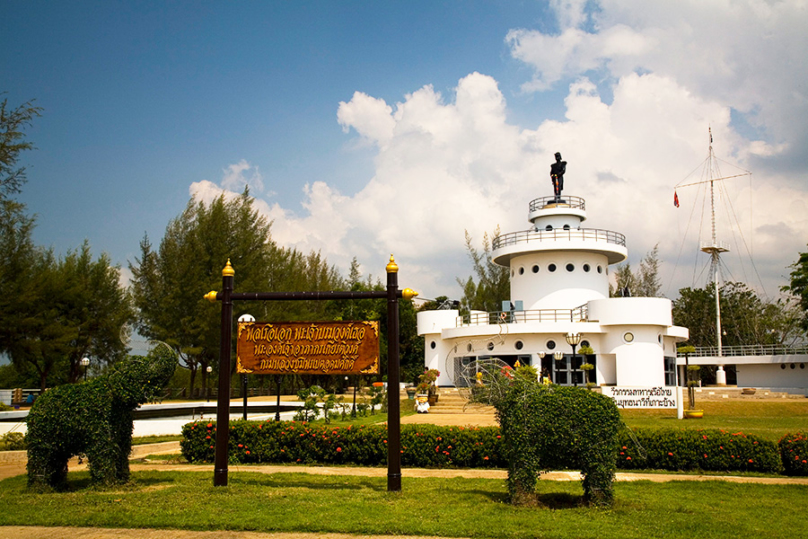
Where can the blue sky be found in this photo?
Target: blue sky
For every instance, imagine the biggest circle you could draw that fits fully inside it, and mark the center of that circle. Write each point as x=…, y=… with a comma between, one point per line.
x=322, y=106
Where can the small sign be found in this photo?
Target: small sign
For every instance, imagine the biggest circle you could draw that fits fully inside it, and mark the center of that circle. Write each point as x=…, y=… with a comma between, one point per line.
x=641, y=397
x=350, y=347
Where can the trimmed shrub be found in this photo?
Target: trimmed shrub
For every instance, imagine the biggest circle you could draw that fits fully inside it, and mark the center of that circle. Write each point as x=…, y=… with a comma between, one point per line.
x=93, y=418
x=685, y=449
x=794, y=453
x=424, y=446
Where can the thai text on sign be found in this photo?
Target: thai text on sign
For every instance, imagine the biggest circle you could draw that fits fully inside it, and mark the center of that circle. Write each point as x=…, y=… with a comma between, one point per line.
x=349, y=347
x=642, y=397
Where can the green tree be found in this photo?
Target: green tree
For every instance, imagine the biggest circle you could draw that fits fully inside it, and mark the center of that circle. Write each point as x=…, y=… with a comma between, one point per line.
x=64, y=310
x=798, y=286
x=169, y=282
x=643, y=283
x=746, y=318
x=13, y=121
x=492, y=286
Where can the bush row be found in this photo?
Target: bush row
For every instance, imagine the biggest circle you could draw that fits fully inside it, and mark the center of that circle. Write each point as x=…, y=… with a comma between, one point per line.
x=425, y=446
x=431, y=446
x=794, y=453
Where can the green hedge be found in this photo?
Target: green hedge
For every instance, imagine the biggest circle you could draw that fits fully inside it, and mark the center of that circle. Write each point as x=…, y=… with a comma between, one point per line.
x=708, y=450
x=291, y=441
x=430, y=446
x=794, y=453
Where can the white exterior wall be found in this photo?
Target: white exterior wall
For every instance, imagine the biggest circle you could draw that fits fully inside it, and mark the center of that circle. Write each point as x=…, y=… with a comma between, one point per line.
x=624, y=311
x=561, y=289
x=772, y=375
x=640, y=362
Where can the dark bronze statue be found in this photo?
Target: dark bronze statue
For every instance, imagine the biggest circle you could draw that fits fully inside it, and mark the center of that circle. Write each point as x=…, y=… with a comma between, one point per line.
x=557, y=171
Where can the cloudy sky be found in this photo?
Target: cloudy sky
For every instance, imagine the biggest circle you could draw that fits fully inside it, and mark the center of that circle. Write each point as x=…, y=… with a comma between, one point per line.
x=370, y=128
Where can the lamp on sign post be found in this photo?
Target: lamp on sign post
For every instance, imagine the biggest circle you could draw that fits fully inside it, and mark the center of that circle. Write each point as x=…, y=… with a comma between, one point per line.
x=85, y=362
x=574, y=339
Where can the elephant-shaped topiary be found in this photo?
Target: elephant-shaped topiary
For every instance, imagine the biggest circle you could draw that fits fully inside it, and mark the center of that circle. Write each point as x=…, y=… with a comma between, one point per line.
x=93, y=418
x=548, y=427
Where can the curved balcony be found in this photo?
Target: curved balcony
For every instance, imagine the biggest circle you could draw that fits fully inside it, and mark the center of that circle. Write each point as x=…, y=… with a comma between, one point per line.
x=559, y=234
x=564, y=202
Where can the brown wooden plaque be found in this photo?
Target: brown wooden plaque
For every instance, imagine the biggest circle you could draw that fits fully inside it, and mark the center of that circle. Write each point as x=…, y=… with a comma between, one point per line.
x=350, y=347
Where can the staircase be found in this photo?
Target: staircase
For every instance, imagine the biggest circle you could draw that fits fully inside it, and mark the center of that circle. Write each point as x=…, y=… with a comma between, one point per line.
x=451, y=402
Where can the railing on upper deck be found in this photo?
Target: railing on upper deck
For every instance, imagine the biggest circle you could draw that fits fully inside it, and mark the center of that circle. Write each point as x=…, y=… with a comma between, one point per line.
x=578, y=314
x=559, y=234
x=750, y=350
x=564, y=202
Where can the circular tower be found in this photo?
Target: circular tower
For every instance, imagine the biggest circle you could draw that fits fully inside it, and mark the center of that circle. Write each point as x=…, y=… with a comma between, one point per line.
x=558, y=264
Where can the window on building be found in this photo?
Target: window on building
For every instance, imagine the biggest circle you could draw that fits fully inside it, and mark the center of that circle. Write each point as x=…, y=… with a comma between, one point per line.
x=670, y=371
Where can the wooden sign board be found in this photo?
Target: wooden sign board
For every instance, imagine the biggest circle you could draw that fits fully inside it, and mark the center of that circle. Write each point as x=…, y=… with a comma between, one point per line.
x=350, y=347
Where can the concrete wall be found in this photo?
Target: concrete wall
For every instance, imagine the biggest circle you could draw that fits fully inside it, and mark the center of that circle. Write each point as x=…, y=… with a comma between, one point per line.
x=773, y=375
x=537, y=287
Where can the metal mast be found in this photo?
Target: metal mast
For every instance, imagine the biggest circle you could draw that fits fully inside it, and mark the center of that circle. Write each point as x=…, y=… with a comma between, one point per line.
x=714, y=248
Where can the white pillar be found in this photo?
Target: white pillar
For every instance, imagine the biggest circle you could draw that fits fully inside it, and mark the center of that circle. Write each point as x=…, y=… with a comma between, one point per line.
x=720, y=376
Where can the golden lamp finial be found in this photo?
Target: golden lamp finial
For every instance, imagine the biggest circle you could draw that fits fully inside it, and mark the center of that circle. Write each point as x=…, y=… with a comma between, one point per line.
x=228, y=270
x=211, y=296
x=392, y=267
x=408, y=293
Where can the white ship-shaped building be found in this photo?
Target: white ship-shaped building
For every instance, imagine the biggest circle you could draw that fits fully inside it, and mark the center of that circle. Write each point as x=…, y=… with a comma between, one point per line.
x=559, y=289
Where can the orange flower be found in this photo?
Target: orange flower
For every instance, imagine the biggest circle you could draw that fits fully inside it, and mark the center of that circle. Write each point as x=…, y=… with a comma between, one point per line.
x=339, y=450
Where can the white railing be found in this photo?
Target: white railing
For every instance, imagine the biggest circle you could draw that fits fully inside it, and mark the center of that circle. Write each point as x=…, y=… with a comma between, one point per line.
x=560, y=202
x=578, y=314
x=559, y=234
x=750, y=350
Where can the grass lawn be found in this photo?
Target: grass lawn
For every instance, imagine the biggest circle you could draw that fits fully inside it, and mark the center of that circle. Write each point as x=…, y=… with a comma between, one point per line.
x=445, y=507
x=769, y=419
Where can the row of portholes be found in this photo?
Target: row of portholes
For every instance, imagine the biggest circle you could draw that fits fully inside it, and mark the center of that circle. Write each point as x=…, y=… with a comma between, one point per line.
x=570, y=267
x=793, y=366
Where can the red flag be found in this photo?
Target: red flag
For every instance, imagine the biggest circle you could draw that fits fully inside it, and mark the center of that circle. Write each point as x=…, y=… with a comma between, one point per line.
x=675, y=199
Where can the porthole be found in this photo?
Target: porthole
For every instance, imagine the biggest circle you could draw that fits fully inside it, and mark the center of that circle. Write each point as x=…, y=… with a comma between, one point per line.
x=513, y=273
x=519, y=345
x=521, y=271
x=584, y=343
x=536, y=269
x=793, y=366
x=548, y=228
x=802, y=365
x=600, y=269
x=550, y=345
x=587, y=268
x=628, y=337
x=433, y=344
x=468, y=347
x=566, y=227
x=490, y=346
x=551, y=268
x=570, y=267
x=783, y=366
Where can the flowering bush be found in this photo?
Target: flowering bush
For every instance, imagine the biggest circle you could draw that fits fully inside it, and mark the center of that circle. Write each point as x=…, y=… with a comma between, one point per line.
x=430, y=446
x=430, y=377
x=709, y=450
x=291, y=441
x=794, y=453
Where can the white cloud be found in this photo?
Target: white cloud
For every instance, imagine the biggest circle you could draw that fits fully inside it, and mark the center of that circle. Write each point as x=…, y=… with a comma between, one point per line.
x=455, y=163
x=236, y=179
